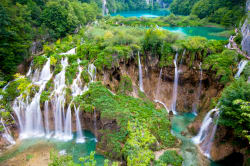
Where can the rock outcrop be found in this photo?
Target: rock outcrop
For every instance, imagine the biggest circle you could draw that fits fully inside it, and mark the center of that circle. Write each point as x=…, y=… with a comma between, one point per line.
x=245, y=30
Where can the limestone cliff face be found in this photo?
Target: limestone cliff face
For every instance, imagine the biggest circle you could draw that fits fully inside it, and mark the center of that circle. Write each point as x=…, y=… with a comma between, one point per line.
x=245, y=30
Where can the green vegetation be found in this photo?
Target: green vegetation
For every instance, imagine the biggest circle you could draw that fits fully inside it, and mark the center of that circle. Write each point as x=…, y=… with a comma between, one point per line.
x=234, y=107
x=170, y=157
x=224, y=12
x=25, y=21
x=139, y=125
x=125, y=85
x=223, y=64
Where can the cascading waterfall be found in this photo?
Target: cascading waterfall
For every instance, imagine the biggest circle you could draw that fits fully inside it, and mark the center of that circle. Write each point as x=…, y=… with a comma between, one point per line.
x=241, y=67
x=46, y=117
x=59, y=100
x=6, y=134
x=92, y=72
x=207, y=131
x=29, y=114
x=80, y=137
x=68, y=125
x=140, y=74
x=208, y=128
x=95, y=125
x=175, y=89
x=198, y=93
x=104, y=2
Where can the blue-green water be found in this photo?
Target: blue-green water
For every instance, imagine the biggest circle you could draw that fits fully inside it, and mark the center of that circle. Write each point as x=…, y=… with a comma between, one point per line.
x=189, y=151
x=142, y=13
x=207, y=32
x=77, y=150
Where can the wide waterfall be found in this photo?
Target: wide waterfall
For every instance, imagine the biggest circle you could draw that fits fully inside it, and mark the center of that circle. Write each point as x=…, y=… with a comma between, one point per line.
x=175, y=89
x=29, y=113
x=34, y=122
x=241, y=67
x=140, y=74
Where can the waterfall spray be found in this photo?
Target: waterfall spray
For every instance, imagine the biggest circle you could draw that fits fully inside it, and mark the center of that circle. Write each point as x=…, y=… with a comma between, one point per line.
x=140, y=74
x=175, y=89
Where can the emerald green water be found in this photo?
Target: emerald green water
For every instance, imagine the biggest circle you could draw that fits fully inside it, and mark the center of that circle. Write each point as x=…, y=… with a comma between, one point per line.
x=77, y=150
x=188, y=149
x=142, y=13
x=207, y=32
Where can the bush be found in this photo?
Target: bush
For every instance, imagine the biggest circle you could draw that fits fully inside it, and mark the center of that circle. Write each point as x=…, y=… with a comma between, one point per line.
x=170, y=157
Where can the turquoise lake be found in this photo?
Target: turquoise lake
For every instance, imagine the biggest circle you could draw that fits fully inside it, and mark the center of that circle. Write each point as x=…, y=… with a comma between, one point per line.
x=77, y=150
x=142, y=13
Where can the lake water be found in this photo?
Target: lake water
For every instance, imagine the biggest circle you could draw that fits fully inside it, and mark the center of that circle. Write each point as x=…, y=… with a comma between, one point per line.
x=142, y=13
x=77, y=150
x=207, y=32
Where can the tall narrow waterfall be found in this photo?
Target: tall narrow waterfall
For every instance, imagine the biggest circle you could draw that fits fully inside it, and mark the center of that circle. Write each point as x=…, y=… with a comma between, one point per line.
x=59, y=100
x=241, y=67
x=197, y=99
x=68, y=125
x=207, y=131
x=92, y=72
x=46, y=117
x=104, y=2
x=175, y=89
x=6, y=134
x=80, y=138
x=140, y=74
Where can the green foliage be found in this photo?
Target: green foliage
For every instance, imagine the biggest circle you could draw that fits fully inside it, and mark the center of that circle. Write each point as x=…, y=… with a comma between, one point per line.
x=71, y=71
x=182, y=7
x=234, y=107
x=125, y=85
x=127, y=112
x=238, y=39
x=39, y=61
x=45, y=96
x=170, y=157
x=223, y=64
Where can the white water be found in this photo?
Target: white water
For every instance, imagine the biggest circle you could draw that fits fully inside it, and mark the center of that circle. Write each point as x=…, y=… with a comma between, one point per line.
x=207, y=132
x=104, y=7
x=241, y=67
x=68, y=125
x=80, y=138
x=70, y=52
x=59, y=100
x=29, y=114
x=140, y=74
x=92, y=72
x=175, y=89
x=46, y=117
x=7, y=135
x=158, y=101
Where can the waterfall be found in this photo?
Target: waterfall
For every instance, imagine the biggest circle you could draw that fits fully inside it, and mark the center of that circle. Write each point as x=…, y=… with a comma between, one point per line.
x=158, y=101
x=158, y=85
x=80, y=138
x=77, y=83
x=198, y=93
x=241, y=67
x=95, y=126
x=68, y=125
x=175, y=89
x=140, y=74
x=92, y=72
x=207, y=131
x=29, y=115
x=46, y=117
x=6, y=134
x=104, y=2
x=59, y=100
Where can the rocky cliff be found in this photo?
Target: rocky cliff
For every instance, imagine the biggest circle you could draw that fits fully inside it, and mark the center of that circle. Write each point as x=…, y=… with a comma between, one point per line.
x=245, y=30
